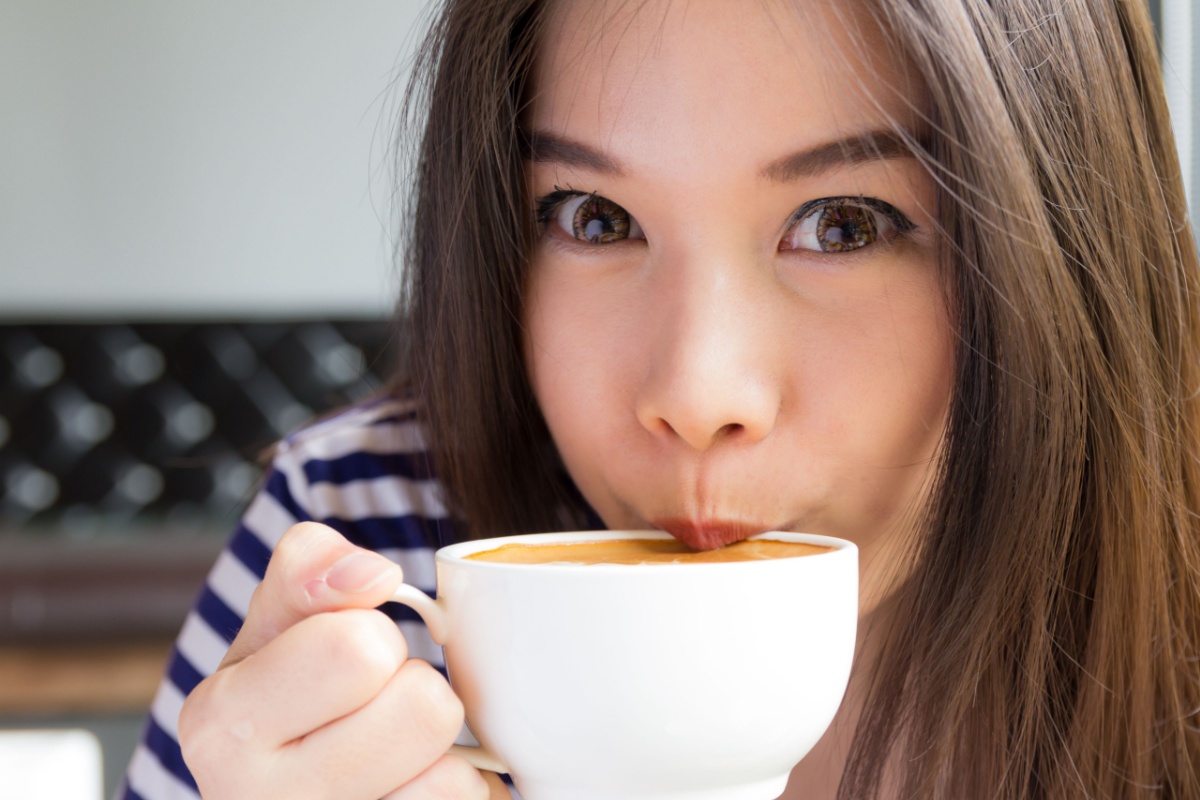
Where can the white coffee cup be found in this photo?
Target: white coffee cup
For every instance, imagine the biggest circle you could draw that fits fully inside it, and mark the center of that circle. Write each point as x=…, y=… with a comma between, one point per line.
x=700, y=681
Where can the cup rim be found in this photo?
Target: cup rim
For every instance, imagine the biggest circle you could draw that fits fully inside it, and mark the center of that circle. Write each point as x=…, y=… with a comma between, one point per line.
x=456, y=553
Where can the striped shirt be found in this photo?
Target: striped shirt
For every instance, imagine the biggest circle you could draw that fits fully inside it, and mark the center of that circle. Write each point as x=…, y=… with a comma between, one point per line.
x=364, y=473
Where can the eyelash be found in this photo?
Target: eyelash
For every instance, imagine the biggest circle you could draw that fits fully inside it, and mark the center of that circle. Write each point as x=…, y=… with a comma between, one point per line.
x=548, y=205
x=903, y=224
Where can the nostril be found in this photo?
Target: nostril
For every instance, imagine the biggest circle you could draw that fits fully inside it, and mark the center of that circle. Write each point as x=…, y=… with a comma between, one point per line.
x=698, y=438
x=702, y=419
x=660, y=425
x=730, y=430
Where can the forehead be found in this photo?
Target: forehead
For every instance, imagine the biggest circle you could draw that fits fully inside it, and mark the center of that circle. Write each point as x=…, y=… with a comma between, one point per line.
x=735, y=80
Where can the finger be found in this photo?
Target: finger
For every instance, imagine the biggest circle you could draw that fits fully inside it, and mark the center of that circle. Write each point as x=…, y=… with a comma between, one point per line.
x=317, y=671
x=497, y=789
x=451, y=778
x=313, y=569
x=404, y=730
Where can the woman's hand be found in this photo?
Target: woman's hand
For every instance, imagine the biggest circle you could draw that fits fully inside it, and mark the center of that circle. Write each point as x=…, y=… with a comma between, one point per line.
x=317, y=698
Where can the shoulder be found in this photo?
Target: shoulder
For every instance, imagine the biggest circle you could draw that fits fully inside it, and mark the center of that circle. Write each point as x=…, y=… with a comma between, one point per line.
x=383, y=427
x=363, y=470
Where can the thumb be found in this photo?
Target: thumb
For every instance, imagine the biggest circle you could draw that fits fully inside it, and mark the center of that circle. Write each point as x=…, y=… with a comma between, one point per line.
x=313, y=570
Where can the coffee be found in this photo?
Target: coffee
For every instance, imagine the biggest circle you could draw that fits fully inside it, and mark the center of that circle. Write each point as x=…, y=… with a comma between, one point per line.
x=644, y=551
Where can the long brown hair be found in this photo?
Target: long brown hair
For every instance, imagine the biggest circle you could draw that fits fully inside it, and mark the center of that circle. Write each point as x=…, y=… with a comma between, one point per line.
x=1051, y=637
x=467, y=236
x=1051, y=644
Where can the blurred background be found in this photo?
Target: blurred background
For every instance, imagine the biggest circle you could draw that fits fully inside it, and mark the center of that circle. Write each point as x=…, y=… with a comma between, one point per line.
x=195, y=257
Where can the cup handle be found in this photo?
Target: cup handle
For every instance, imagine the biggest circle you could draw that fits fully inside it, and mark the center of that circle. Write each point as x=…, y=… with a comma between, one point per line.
x=427, y=607
x=479, y=758
x=435, y=621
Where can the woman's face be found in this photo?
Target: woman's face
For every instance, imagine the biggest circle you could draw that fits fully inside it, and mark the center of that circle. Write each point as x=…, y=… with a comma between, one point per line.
x=735, y=320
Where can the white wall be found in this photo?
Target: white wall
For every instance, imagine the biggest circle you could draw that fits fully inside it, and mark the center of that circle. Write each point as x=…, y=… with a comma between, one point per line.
x=1181, y=75
x=229, y=157
x=203, y=157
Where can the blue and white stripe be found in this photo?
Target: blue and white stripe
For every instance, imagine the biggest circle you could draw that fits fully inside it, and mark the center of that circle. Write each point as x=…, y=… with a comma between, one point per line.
x=363, y=472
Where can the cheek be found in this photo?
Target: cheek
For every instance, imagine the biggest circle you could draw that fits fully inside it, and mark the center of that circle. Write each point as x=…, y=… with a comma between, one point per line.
x=897, y=356
x=584, y=350
x=566, y=345
x=925, y=365
x=895, y=410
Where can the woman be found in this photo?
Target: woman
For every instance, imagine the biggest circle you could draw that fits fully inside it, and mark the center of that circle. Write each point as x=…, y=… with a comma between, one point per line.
x=914, y=272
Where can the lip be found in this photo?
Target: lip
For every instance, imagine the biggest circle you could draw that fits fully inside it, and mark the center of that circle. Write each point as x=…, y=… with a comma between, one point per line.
x=708, y=534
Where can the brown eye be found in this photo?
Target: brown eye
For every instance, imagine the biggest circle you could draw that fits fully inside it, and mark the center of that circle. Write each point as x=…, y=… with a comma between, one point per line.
x=596, y=220
x=842, y=226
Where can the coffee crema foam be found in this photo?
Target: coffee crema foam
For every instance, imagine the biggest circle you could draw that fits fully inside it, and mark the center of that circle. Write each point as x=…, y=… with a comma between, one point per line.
x=644, y=551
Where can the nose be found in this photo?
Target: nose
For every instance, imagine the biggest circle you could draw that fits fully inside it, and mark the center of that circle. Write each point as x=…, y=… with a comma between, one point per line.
x=712, y=373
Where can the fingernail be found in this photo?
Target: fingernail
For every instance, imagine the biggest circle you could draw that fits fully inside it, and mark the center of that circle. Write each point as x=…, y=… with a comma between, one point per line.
x=358, y=572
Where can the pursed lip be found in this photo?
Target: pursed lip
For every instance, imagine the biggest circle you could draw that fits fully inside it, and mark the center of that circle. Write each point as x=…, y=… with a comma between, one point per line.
x=708, y=534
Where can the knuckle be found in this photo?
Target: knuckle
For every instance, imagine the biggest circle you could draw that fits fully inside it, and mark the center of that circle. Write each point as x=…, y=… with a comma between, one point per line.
x=298, y=539
x=287, y=567
x=213, y=759
x=190, y=727
x=256, y=599
x=371, y=641
x=297, y=542
x=199, y=740
x=435, y=706
x=453, y=777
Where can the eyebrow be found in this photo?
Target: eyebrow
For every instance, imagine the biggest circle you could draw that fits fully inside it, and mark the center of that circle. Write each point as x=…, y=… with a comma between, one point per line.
x=544, y=146
x=858, y=148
